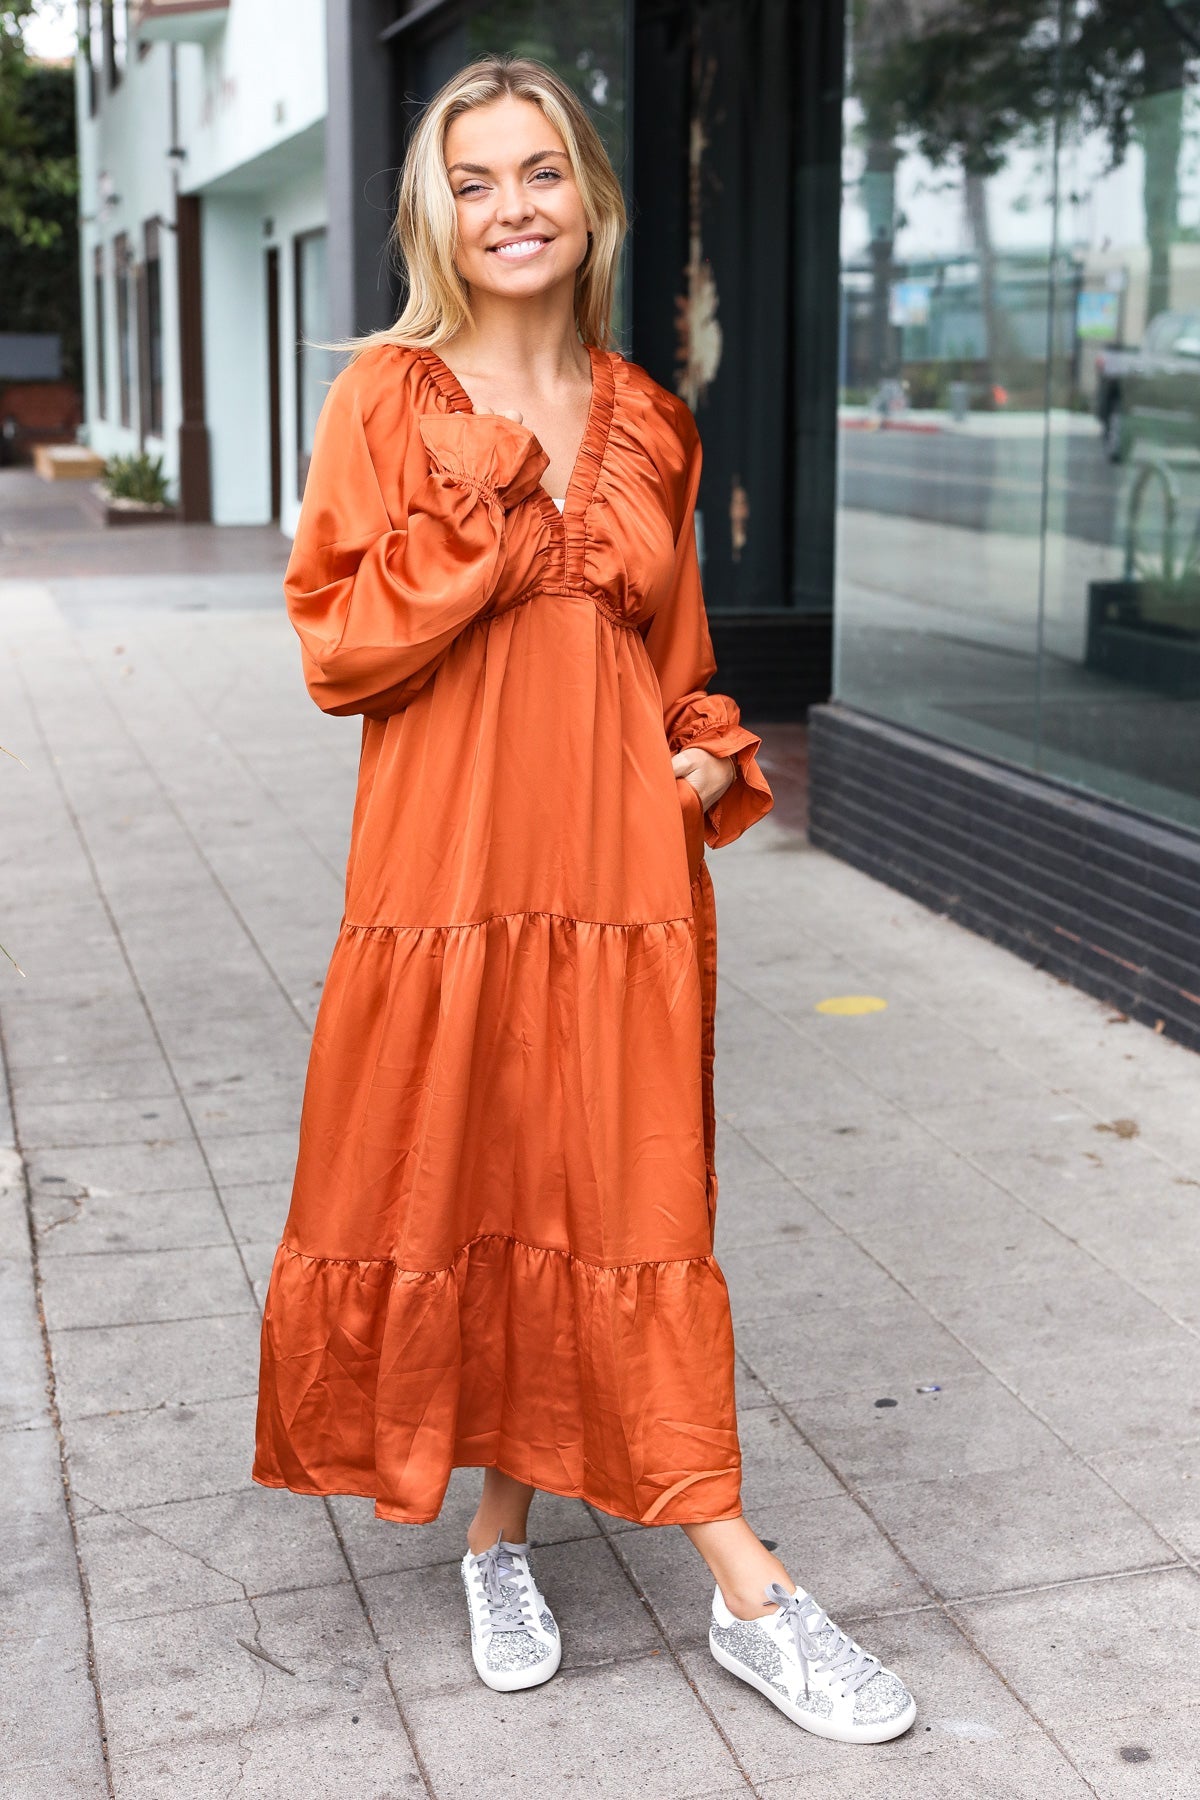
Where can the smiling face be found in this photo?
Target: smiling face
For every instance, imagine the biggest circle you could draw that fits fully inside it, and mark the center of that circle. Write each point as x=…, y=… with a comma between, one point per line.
x=522, y=229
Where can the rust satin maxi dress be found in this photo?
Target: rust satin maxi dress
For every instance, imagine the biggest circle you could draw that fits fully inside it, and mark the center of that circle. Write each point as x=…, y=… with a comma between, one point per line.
x=499, y=1248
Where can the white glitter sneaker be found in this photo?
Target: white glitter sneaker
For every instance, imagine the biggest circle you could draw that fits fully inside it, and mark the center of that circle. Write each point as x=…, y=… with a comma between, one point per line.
x=811, y=1669
x=514, y=1637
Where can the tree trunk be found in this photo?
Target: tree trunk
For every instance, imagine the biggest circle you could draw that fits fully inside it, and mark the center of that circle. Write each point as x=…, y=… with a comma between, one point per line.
x=879, y=198
x=1160, y=132
x=975, y=200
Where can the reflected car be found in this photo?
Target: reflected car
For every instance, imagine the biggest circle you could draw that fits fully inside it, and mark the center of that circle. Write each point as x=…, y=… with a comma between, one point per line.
x=1152, y=394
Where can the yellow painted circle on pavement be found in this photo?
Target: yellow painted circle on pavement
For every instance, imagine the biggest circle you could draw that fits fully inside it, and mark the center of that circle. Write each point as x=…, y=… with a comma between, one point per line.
x=848, y=1005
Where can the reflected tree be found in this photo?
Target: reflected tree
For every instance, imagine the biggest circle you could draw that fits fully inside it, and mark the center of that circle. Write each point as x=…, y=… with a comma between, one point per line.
x=974, y=77
x=880, y=29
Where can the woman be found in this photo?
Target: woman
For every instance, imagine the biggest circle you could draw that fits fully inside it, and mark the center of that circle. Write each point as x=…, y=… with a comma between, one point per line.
x=499, y=1250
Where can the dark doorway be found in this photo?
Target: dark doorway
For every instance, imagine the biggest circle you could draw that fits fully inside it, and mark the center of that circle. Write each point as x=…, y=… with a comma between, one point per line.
x=736, y=155
x=273, y=384
x=736, y=179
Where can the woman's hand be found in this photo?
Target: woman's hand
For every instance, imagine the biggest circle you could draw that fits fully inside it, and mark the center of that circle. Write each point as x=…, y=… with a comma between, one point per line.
x=710, y=775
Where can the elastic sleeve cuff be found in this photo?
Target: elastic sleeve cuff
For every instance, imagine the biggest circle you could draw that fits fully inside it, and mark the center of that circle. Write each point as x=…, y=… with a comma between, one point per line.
x=746, y=801
x=713, y=721
x=500, y=459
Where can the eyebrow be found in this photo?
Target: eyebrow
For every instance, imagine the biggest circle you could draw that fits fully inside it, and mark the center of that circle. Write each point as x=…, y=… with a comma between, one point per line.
x=481, y=168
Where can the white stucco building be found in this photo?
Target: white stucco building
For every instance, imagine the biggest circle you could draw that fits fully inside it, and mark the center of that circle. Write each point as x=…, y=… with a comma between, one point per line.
x=203, y=195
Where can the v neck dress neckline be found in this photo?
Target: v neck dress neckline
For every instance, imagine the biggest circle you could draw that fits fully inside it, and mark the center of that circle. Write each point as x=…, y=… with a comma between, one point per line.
x=589, y=458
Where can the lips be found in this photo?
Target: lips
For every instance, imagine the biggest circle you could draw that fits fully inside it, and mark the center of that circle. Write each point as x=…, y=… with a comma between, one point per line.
x=517, y=249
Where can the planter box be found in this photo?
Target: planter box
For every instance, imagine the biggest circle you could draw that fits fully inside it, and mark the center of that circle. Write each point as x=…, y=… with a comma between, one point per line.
x=67, y=462
x=1128, y=646
x=111, y=511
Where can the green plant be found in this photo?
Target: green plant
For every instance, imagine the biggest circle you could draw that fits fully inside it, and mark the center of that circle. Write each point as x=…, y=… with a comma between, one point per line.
x=137, y=477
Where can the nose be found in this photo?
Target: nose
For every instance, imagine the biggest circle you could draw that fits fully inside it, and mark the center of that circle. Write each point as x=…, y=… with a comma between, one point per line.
x=514, y=202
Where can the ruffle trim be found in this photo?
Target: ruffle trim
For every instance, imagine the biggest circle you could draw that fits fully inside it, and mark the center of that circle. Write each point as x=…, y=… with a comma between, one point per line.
x=717, y=728
x=614, y=1385
x=745, y=802
x=381, y=930
x=504, y=1237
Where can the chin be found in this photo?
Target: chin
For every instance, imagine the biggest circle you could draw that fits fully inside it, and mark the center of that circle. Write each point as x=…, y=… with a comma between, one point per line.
x=525, y=282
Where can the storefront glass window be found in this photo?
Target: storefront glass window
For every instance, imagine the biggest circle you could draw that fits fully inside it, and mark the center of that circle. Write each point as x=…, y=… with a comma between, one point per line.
x=1019, y=441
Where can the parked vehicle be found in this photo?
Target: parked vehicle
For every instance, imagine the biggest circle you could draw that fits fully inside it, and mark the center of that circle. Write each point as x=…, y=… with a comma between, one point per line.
x=1152, y=394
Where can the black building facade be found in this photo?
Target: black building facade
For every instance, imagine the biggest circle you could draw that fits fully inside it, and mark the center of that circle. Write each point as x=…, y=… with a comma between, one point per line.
x=929, y=278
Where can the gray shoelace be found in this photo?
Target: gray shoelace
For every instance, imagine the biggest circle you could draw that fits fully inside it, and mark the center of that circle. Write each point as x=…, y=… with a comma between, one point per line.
x=838, y=1656
x=503, y=1597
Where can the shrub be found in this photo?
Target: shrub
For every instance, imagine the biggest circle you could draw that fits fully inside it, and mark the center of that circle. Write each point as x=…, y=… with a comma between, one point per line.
x=137, y=477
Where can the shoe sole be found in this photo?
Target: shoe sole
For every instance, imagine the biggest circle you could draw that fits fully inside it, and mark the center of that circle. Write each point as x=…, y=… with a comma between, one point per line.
x=508, y=1681
x=840, y=1734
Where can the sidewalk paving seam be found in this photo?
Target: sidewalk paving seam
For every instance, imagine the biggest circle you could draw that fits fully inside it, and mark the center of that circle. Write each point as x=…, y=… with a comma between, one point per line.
x=143, y=1412
x=173, y=810
x=76, y=825
x=855, y=1070
x=930, y=1308
x=965, y=1156
x=944, y=1607
x=1094, y=1256
x=612, y=1539
x=1071, y=1581
x=861, y=1500
x=401, y=1710
x=121, y=1250
x=295, y=824
x=873, y=1615
x=56, y=1420
x=183, y=1319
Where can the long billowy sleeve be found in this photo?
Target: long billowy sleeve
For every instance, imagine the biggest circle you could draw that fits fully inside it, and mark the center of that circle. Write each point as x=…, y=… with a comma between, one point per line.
x=378, y=606
x=680, y=648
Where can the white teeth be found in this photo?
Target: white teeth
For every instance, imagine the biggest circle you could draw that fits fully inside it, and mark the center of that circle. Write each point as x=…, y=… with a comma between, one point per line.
x=525, y=248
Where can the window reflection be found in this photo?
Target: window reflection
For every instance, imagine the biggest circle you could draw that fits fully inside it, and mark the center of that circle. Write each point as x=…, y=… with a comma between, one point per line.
x=1019, y=530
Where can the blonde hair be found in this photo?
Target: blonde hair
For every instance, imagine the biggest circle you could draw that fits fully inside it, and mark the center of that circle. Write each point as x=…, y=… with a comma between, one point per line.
x=425, y=230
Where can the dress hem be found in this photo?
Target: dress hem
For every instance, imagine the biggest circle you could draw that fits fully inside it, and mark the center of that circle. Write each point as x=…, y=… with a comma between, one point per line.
x=395, y=1516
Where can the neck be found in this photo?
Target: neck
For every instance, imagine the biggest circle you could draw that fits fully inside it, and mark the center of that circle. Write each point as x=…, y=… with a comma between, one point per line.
x=534, y=338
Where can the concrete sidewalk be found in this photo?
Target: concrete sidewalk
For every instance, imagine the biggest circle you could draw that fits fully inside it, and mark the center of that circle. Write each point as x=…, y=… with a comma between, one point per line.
x=989, y=1187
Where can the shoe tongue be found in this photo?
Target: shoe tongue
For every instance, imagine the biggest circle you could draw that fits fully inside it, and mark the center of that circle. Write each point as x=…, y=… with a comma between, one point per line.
x=805, y=1601
x=811, y=1612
